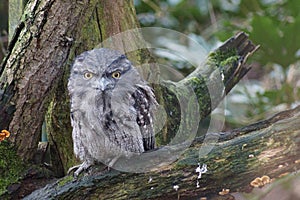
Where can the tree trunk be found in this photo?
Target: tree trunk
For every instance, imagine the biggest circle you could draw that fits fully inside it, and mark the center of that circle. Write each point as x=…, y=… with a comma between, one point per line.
x=37, y=55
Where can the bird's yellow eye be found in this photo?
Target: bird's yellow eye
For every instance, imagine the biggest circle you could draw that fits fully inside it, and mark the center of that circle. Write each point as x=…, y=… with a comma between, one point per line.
x=116, y=74
x=88, y=75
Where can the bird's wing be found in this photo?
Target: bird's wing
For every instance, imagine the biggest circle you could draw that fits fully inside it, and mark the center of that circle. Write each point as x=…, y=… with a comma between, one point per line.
x=144, y=105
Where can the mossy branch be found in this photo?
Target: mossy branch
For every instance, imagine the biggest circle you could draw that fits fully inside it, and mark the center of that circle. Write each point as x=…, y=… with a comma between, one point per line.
x=236, y=160
x=209, y=84
x=224, y=68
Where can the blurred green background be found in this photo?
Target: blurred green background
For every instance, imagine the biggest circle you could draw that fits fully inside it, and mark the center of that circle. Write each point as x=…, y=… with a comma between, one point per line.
x=273, y=82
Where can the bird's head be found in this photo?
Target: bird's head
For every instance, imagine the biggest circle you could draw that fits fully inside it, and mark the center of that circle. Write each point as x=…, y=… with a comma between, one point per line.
x=102, y=72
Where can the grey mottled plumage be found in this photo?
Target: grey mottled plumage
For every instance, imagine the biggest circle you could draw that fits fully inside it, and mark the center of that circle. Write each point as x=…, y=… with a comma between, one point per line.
x=111, y=108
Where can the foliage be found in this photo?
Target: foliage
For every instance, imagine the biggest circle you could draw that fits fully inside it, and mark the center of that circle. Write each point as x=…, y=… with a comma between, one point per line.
x=185, y=16
x=274, y=25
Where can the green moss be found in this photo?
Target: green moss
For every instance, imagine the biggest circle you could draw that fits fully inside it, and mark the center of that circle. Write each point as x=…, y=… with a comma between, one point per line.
x=172, y=108
x=11, y=166
x=229, y=60
x=65, y=180
x=198, y=84
x=58, y=121
x=223, y=58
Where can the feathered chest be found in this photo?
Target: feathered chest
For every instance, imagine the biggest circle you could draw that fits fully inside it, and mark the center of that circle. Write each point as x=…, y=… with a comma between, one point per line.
x=115, y=110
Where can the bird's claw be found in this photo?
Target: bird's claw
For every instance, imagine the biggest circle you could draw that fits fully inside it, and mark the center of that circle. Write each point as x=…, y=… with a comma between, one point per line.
x=78, y=169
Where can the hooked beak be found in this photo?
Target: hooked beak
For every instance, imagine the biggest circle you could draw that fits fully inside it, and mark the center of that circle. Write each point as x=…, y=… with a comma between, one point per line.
x=103, y=84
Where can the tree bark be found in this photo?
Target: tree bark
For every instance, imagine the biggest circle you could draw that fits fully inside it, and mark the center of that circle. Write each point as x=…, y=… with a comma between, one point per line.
x=37, y=54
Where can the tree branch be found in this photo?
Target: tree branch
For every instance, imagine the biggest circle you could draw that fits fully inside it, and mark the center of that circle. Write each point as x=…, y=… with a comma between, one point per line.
x=268, y=148
x=224, y=68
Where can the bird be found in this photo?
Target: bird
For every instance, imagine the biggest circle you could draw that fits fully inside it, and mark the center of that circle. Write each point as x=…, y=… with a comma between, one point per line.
x=112, y=109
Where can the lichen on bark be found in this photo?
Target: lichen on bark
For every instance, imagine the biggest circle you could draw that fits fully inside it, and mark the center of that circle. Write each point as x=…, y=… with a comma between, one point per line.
x=11, y=166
